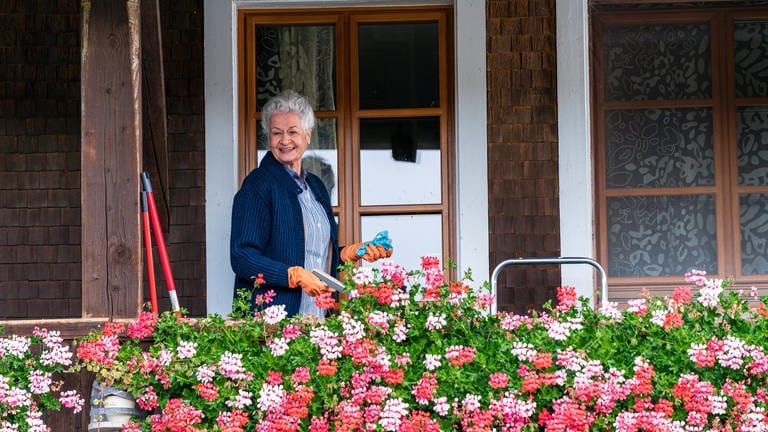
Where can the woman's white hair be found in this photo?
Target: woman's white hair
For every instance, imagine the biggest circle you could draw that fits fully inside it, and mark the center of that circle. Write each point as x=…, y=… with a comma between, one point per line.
x=288, y=101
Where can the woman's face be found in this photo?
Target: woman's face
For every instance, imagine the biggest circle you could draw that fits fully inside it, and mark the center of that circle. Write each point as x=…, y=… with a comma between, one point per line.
x=287, y=139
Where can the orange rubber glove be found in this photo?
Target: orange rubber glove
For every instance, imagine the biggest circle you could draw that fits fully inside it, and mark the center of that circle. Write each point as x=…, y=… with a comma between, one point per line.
x=349, y=253
x=372, y=253
x=309, y=283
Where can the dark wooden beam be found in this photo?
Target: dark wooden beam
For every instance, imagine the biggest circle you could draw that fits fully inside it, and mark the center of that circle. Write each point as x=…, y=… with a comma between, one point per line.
x=155, y=146
x=111, y=149
x=70, y=328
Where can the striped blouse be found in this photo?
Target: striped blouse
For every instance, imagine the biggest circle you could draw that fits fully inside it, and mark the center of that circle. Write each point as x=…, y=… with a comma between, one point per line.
x=317, y=235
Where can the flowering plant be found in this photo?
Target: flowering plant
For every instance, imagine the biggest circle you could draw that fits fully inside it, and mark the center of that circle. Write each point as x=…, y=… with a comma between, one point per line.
x=413, y=351
x=28, y=388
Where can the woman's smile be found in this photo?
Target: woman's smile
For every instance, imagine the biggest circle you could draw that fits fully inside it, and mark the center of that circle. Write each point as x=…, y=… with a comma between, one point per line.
x=288, y=140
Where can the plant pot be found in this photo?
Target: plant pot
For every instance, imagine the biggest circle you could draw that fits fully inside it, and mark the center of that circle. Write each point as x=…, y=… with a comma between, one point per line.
x=111, y=408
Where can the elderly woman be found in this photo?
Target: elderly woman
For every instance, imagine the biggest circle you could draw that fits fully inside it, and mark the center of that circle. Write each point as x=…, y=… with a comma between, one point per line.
x=282, y=220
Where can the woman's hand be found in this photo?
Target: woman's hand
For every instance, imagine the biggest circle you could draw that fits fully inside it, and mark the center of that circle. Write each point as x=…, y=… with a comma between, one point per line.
x=309, y=283
x=376, y=252
x=376, y=249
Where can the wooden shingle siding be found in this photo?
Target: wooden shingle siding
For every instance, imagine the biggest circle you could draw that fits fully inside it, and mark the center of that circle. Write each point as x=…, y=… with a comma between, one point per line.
x=39, y=159
x=181, y=22
x=40, y=216
x=522, y=148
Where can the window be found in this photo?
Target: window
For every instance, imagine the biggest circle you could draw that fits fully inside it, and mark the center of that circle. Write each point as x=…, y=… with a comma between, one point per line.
x=379, y=81
x=682, y=145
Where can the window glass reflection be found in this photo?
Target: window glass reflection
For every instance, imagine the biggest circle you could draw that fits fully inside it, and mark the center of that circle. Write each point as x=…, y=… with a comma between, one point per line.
x=399, y=65
x=413, y=236
x=400, y=161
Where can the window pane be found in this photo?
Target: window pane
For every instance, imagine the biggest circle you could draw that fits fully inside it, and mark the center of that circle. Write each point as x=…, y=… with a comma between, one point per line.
x=657, y=62
x=400, y=161
x=398, y=65
x=321, y=158
x=297, y=57
x=753, y=217
x=659, y=148
x=752, y=124
x=413, y=236
x=751, y=58
x=661, y=235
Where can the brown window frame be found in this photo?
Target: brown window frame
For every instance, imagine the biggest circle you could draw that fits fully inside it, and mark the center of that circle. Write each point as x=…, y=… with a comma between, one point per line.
x=348, y=114
x=723, y=104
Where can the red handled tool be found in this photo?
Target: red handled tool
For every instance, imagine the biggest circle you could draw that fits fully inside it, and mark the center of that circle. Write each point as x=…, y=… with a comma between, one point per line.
x=164, y=261
x=148, y=249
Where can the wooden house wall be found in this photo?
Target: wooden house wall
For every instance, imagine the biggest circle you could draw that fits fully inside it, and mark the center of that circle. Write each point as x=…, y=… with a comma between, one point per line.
x=40, y=215
x=40, y=227
x=40, y=139
x=523, y=202
x=182, y=33
x=39, y=159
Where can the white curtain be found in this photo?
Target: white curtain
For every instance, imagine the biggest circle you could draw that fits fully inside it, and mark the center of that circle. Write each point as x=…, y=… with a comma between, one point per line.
x=307, y=55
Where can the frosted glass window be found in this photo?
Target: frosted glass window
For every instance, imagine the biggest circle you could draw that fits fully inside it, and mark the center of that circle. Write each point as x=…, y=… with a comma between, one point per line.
x=400, y=161
x=754, y=233
x=749, y=52
x=657, y=62
x=752, y=129
x=661, y=235
x=656, y=148
x=413, y=236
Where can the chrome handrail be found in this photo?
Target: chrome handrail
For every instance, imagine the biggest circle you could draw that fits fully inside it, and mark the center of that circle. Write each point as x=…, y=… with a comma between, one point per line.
x=558, y=260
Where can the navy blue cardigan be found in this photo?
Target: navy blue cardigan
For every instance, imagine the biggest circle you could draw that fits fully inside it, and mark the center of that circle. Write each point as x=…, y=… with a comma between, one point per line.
x=268, y=230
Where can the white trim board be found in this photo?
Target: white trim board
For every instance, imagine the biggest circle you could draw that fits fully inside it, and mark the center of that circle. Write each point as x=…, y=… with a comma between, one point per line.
x=575, y=153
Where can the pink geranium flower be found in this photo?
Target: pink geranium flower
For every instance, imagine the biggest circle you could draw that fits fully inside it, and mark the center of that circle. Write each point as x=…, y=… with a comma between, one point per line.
x=415, y=351
x=144, y=326
x=498, y=380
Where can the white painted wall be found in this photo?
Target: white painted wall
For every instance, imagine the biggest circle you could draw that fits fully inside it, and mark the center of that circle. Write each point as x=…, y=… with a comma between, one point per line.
x=471, y=139
x=221, y=125
x=577, y=235
x=220, y=150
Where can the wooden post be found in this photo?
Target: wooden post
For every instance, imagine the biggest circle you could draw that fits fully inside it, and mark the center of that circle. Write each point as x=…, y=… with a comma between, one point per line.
x=111, y=151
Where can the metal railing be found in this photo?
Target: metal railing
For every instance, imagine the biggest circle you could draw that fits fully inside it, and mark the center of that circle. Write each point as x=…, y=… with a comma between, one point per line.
x=558, y=260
